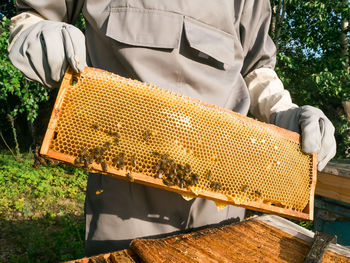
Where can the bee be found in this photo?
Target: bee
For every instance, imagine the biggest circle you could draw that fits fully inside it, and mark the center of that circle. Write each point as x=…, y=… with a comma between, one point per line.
x=244, y=188
x=98, y=159
x=36, y=152
x=122, y=156
x=171, y=163
x=130, y=177
x=97, y=152
x=181, y=175
x=180, y=167
x=52, y=162
x=133, y=160
x=42, y=161
x=36, y=164
x=165, y=156
x=89, y=159
x=94, y=152
x=157, y=167
x=215, y=185
x=163, y=165
x=86, y=164
x=156, y=153
x=120, y=164
x=167, y=170
x=209, y=174
x=258, y=193
x=167, y=182
x=175, y=170
x=38, y=158
x=99, y=192
x=187, y=168
x=103, y=165
x=176, y=181
x=108, y=145
x=102, y=150
x=189, y=181
x=147, y=135
x=171, y=175
x=77, y=161
x=160, y=175
x=95, y=126
x=116, y=134
x=194, y=178
x=83, y=153
x=120, y=161
x=116, y=140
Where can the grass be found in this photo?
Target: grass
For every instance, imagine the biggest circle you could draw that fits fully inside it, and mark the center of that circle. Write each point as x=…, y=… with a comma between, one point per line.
x=41, y=211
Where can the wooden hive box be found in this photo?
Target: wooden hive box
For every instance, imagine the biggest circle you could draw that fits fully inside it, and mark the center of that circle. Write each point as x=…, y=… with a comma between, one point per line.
x=266, y=238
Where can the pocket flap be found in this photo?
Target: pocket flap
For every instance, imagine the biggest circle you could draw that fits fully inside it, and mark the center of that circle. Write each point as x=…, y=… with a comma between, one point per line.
x=211, y=41
x=145, y=27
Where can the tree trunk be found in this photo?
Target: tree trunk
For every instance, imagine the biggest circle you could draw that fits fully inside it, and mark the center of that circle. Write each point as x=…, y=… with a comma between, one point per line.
x=344, y=40
x=346, y=105
x=273, y=23
x=278, y=16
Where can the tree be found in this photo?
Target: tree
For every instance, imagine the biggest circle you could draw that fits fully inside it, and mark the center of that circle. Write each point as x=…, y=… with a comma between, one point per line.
x=18, y=96
x=7, y=8
x=313, y=58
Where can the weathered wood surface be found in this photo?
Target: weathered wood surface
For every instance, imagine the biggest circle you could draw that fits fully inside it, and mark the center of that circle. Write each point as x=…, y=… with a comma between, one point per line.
x=123, y=256
x=248, y=241
x=334, y=181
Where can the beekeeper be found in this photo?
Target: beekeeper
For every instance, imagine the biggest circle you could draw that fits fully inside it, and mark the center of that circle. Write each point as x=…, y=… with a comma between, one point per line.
x=215, y=51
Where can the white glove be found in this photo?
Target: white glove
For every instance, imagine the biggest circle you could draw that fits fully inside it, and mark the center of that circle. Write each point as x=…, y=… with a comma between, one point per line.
x=317, y=132
x=43, y=51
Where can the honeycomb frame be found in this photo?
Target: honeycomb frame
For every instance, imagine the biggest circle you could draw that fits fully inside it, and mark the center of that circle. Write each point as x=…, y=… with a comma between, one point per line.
x=254, y=200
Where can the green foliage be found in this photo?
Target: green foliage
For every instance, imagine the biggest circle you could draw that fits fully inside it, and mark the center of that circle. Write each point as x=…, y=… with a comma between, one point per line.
x=41, y=211
x=33, y=192
x=44, y=239
x=311, y=64
x=306, y=224
x=80, y=23
x=17, y=95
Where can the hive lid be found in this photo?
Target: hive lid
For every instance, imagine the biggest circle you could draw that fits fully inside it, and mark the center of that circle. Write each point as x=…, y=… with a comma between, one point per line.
x=260, y=239
x=142, y=133
x=267, y=238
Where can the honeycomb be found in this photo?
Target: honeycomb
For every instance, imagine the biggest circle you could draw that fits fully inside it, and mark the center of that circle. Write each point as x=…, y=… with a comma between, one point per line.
x=142, y=133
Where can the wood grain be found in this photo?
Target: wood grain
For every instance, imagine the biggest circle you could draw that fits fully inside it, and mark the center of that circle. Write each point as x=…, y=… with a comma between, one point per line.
x=122, y=256
x=333, y=186
x=248, y=241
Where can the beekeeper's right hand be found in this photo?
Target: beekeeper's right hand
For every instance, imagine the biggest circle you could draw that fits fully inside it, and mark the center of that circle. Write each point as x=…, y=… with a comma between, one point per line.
x=43, y=51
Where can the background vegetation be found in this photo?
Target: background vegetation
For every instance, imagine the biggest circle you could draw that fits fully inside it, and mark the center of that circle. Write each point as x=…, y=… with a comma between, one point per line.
x=41, y=210
x=312, y=38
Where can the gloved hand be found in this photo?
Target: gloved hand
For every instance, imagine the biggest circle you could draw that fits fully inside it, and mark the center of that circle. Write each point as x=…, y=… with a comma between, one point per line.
x=317, y=132
x=43, y=51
